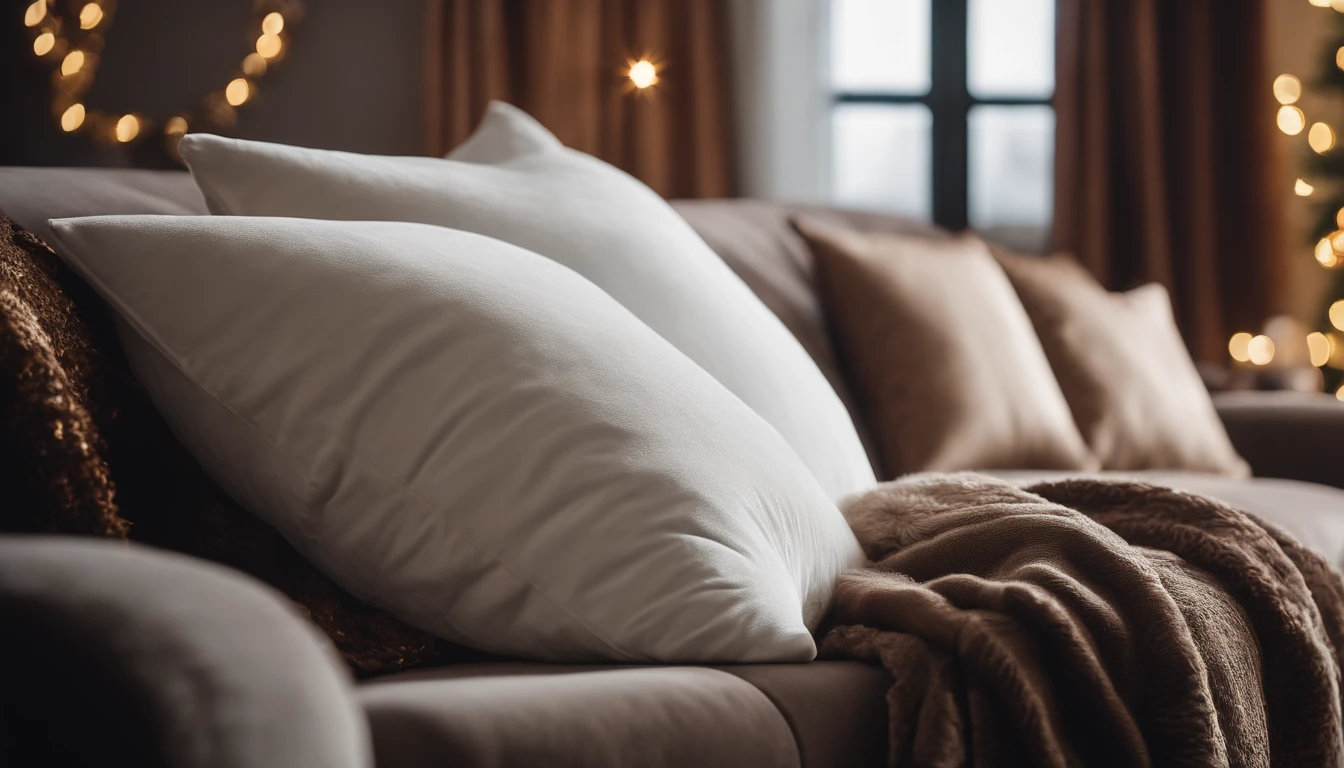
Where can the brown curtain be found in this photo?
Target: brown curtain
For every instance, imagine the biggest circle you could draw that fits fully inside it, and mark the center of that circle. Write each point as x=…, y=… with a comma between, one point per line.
x=1166, y=167
x=565, y=61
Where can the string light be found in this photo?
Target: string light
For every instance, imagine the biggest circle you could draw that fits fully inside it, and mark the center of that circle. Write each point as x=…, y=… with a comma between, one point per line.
x=72, y=118
x=1291, y=120
x=1321, y=137
x=1287, y=89
x=1260, y=350
x=1338, y=5
x=1303, y=189
x=1337, y=314
x=1325, y=253
x=273, y=23
x=128, y=127
x=1339, y=394
x=90, y=15
x=254, y=65
x=43, y=43
x=175, y=125
x=1239, y=347
x=643, y=74
x=237, y=91
x=35, y=13
x=74, y=61
x=269, y=45
x=1318, y=347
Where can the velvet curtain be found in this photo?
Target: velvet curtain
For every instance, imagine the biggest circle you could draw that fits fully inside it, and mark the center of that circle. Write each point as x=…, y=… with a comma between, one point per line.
x=565, y=62
x=1165, y=156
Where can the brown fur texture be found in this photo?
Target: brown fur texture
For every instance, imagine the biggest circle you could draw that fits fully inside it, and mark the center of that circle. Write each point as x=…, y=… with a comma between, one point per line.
x=1090, y=622
x=76, y=428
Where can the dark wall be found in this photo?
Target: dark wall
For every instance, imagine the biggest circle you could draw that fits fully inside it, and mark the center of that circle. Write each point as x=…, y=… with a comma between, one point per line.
x=352, y=80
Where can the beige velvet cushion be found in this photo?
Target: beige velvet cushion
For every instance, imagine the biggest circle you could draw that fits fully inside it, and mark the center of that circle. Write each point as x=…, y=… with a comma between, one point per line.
x=941, y=354
x=1132, y=387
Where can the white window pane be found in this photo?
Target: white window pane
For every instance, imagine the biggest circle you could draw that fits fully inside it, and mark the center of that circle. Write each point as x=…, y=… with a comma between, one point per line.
x=1011, y=47
x=880, y=45
x=881, y=158
x=1012, y=163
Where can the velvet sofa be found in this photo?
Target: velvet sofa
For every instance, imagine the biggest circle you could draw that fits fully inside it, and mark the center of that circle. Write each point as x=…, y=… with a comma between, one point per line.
x=130, y=655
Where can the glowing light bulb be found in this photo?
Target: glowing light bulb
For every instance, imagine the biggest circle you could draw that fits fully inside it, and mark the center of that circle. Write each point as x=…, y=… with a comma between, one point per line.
x=1291, y=120
x=1320, y=3
x=254, y=65
x=175, y=125
x=43, y=43
x=273, y=23
x=1337, y=314
x=90, y=15
x=1318, y=346
x=643, y=74
x=1325, y=253
x=1260, y=350
x=128, y=127
x=1238, y=347
x=74, y=61
x=1303, y=189
x=1339, y=395
x=72, y=117
x=1287, y=89
x=35, y=13
x=237, y=92
x=1321, y=137
x=269, y=46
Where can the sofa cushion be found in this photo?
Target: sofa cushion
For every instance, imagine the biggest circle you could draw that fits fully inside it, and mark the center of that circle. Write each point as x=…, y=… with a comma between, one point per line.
x=31, y=196
x=1313, y=514
x=546, y=714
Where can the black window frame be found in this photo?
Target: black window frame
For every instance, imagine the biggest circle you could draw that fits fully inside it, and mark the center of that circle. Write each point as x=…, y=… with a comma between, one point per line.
x=949, y=100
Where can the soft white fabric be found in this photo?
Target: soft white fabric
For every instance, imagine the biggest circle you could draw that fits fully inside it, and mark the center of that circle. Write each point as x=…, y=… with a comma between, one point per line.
x=472, y=437
x=512, y=180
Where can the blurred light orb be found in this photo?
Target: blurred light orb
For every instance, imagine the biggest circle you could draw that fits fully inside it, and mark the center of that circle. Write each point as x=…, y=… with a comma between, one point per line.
x=1287, y=89
x=1321, y=137
x=72, y=117
x=1318, y=346
x=175, y=125
x=1303, y=189
x=74, y=61
x=1325, y=253
x=1320, y=3
x=1339, y=395
x=128, y=127
x=1338, y=5
x=269, y=47
x=273, y=23
x=237, y=92
x=1291, y=119
x=90, y=15
x=43, y=43
x=1260, y=350
x=254, y=65
x=1239, y=347
x=643, y=74
x=1337, y=314
x=35, y=13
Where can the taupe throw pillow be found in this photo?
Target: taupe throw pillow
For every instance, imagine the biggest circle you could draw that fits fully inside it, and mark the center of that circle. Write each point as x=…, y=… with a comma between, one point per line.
x=1132, y=387
x=941, y=354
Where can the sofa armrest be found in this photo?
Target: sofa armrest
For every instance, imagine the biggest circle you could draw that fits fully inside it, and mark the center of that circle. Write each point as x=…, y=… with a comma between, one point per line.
x=117, y=654
x=1291, y=435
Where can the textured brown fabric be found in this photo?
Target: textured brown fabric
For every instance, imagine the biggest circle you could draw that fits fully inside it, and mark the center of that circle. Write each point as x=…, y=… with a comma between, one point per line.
x=941, y=354
x=1090, y=622
x=1134, y=391
x=565, y=61
x=77, y=422
x=1165, y=156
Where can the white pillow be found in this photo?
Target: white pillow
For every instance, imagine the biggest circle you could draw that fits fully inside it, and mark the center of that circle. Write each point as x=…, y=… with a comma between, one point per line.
x=472, y=437
x=513, y=180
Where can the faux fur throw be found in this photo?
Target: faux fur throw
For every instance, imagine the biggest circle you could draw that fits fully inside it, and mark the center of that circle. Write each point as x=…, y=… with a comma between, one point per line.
x=1090, y=622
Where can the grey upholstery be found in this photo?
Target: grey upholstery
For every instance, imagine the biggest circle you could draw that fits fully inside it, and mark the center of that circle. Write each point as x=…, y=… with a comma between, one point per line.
x=31, y=196
x=120, y=654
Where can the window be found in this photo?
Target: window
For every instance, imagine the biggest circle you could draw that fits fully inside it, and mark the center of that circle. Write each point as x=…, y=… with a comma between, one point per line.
x=942, y=111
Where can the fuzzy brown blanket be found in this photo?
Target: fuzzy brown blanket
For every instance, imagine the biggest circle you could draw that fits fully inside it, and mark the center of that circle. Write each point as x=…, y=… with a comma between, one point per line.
x=1090, y=622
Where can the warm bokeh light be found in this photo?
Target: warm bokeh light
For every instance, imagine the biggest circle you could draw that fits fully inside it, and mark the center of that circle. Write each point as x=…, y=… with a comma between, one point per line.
x=1337, y=314
x=35, y=13
x=1320, y=3
x=1303, y=189
x=128, y=127
x=1261, y=350
x=74, y=61
x=1339, y=58
x=1287, y=89
x=1338, y=5
x=254, y=65
x=72, y=117
x=273, y=23
x=1339, y=394
x=43, y=43
x=1321, y=137
x=237, y=91
x=1325, y=253
x=643, y=74
x=1238, y=347
x=1318, y=346
x=269, y=47
x=1291, y=120
x=175, y=125
x=90, y=15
